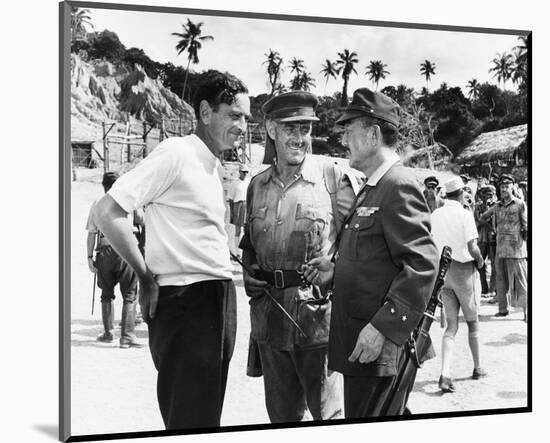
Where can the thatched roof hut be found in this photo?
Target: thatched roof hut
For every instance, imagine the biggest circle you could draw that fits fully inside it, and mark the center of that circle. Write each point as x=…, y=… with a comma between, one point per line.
x=505, y=146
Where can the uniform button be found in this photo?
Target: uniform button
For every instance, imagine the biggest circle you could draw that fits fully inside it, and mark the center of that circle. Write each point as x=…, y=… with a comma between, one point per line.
x=356, y=225
x=404, y=318
x=392, y=310
x=279, y=222
x=347, y=226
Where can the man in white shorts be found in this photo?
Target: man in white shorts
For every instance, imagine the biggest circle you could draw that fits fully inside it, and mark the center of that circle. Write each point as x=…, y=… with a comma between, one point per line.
x=454, y=226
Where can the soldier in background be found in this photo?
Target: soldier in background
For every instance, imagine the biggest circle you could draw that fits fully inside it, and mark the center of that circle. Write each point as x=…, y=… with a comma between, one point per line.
x=112, y=270
x=431, y=193
x=237, y=203
x=510, y=215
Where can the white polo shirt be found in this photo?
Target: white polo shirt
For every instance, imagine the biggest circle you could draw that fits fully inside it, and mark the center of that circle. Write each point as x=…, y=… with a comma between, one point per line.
x=237, y=192
x=180, y=186
x=454, y=226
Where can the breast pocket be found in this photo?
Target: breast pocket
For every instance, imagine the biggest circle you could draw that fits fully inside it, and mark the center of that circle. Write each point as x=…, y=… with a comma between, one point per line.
x=258, y=220
x=306, y=236
x=363, y=236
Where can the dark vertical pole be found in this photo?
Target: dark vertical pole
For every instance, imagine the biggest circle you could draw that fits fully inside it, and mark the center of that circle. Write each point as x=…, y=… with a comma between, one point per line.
x=105, y=150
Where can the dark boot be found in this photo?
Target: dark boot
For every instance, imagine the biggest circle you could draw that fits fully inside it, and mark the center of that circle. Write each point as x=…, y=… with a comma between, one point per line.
x=107, y=315
x=128, y=337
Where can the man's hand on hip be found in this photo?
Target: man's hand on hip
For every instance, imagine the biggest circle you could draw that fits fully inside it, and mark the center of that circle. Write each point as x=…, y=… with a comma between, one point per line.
x=368, y=346
x=253, y=287
x=148, y=296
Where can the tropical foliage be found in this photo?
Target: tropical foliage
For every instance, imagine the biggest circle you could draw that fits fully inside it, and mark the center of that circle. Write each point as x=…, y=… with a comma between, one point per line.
x=502, y=68
x=330, y=69
x=376, y=70
x=274, y=70
x=346, y=61
x=445, y=115
x=427, y=69
x=191, y=39
x=80, y=19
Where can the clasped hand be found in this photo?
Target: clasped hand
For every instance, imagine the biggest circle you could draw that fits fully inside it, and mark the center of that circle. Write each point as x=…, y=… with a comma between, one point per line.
x=318, y=271
x=370, y=341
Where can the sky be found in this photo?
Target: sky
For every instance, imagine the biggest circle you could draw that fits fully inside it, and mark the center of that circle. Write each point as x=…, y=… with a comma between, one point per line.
x=240, y=45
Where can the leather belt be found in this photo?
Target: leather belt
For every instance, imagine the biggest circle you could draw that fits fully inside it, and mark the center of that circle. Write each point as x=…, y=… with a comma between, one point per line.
x=281, y=278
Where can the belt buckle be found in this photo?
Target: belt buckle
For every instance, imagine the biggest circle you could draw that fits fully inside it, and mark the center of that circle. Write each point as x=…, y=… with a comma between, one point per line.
x=279, y=279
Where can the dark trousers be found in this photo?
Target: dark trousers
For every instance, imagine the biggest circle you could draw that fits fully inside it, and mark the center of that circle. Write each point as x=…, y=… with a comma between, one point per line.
x=111, y=269
x=295, y=381
x=366, y=397
x=487, y=249
x=192, y=338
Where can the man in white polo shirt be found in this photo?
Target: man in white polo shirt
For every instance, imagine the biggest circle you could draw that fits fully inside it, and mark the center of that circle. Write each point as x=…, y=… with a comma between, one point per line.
x=454, y=226
x=186, y=295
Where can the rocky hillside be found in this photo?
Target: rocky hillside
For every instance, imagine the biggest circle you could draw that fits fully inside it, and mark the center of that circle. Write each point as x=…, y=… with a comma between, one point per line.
x=102, y=92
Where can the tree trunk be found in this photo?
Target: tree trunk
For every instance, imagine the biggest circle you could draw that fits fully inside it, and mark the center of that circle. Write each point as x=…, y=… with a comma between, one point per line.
x=345, y=92
x=185, y=81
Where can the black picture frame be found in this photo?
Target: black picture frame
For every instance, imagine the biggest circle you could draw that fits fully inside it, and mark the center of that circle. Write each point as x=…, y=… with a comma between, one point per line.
x=66, y=227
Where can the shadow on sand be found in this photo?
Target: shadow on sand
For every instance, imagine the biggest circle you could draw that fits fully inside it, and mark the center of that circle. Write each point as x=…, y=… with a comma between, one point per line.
x=510, y=339
x=85, y=332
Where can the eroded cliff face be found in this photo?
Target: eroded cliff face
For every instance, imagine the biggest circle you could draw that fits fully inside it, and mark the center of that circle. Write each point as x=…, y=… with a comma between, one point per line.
x=102, y=92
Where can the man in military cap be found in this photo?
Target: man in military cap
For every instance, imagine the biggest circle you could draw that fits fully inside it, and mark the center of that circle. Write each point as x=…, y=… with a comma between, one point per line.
x=112, y=270
x=493, y=180
x=510, y=217
x=385, y=267
x=293, y=210
x=431, y=192
x=487, y=236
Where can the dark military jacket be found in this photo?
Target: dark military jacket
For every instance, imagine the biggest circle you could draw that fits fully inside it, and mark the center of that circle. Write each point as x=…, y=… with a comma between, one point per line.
x=385, y=270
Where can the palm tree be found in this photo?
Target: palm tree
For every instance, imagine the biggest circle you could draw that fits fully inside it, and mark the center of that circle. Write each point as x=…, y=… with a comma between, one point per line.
x=520, y=65
x=523, y=48
x=502, y=67
x=347, y=63
x=306, y=81
x=191, y=39
x=297, y=66
x=376, y=71
x=274, y=62
x=427, y=69
x=475, y=88
x=80, y=18
x=329, y=70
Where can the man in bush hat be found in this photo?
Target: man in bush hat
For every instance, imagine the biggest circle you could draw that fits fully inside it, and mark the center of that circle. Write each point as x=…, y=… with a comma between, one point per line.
x=385, y=267
x=430, y=192
x=454, y=226
x=510, y=216
x=293, y=210
x=112, y=270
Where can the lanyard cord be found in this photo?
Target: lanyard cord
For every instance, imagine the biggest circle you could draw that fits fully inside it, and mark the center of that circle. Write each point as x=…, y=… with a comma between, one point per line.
x=349, y=216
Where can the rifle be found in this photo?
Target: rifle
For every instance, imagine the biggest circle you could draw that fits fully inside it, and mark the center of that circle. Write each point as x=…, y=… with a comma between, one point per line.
x=250, y=272
x=417, y=345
